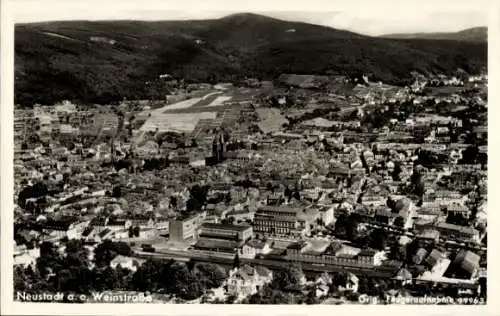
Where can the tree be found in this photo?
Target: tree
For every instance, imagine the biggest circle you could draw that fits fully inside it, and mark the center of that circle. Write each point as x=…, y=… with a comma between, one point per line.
x=457, y=219
x=37, y=190
x=76, y=254
x=417, y=182
x=151, y=276
x=193, y=205
x=470, y=155
x=363, y=286
x=227, y=198
x=291, y=276
x=347, y=226
x=199, y=193
x=397, y=171
x=340, y=225
x=399, y=221
x=49, y=260
x=137, y=231
x=117, y=192
x=378, y=239
x=296, y=195
x=340, y=279
x=391, y=204
x=236, y=261
x=212, y=275
x=173, y=202
x=108, y=250
x=398, y=252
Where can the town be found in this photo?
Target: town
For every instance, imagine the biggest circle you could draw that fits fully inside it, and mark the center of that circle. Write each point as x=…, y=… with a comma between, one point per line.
x=309, y=189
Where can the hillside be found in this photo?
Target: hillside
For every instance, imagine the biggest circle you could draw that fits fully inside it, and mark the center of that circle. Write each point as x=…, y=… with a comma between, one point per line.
x=475, y=34
x=102, y=62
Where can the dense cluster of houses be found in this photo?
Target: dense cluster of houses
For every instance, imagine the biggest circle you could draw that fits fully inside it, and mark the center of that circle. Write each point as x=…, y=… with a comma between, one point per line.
x=273, y=193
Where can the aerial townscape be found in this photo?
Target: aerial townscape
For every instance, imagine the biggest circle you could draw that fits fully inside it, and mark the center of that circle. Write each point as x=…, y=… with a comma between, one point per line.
x=211, y=174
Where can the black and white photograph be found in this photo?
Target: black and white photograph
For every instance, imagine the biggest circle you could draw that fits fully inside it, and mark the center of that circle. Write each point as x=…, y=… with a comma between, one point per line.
x=183, y=152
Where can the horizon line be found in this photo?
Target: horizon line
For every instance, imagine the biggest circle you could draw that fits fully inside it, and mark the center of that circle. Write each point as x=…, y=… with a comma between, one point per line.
x=110, y=20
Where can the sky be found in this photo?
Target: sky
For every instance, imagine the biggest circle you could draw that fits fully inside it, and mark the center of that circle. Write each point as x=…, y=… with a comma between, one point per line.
x=372, y=17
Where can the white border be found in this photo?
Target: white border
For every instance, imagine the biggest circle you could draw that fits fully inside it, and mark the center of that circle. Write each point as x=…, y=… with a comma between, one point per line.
x=8, y=307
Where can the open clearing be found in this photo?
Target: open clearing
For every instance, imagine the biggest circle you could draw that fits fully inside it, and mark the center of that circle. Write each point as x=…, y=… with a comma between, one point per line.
x=184, y=115
x=184, y=122
x=220, y=100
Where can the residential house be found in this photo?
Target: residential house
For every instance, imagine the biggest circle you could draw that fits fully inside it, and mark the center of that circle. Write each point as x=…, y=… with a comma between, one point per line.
x=98, y=236
x=404, y=276
x=255, y=247
x=246, y=280
x=327, y=215
x=466, y=264
x=321, y=290
x=324, y=278
x=456, y=208
x=27, y=258
x=75, y=230
x=59, y=228
x=434, y=258
x=385, y=216
x=419, y=256
x=351, y=284
x=429, y=234
x=130, y=263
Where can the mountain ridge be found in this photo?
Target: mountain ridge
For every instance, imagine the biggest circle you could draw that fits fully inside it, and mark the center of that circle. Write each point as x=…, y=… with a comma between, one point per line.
x=479, y=33
x=108, y=60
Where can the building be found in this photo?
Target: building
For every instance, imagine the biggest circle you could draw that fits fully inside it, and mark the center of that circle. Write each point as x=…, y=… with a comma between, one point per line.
x=284, y=220
x=447, y=230
x=384, y=216
x=219, y=146
x=465, y=265
x=351, y=283
x=327, y=215
x=456, y=209
x=184, y=229
x=226, y=231
x=247, y=280
x=275, y=199
x=126, y=262
x=419, y=256
x=253, y=248
x=333, y=254
x=404, y=276
x=64, y=228
x=27, y=258
x=428, y=234
x=434, y=258
x=225, y=246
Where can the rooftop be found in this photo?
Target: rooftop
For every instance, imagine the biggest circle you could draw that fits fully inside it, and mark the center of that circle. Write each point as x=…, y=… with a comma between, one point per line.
x=225, y=226
x=211, y=243
x=316, y=247
x=280, y=209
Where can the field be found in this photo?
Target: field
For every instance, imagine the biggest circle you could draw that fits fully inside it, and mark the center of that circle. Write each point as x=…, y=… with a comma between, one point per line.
x=184, y=123
x=271, y=119
x=207, y=99
x=184, y=115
